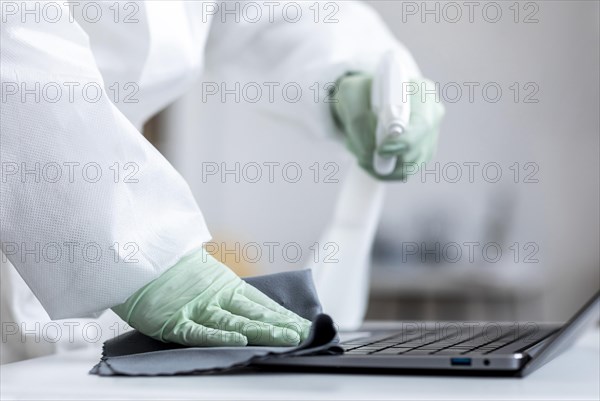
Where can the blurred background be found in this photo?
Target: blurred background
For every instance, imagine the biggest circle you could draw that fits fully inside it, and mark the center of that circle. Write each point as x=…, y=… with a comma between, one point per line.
x=541, y=133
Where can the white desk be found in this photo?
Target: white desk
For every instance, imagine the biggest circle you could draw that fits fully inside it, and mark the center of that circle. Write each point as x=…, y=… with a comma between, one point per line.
x=574, y=375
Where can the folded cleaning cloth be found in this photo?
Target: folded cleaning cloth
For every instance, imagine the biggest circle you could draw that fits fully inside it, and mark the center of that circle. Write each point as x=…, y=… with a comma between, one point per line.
x=134, y=354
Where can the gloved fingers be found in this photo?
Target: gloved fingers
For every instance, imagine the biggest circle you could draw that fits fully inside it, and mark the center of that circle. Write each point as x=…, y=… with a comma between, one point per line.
x=289, y=327
x=392, y=146
x=361, y=139
x=262, y=310
x=418, y=135
x=426, y=109
x=193, y=334
x=256, y=311
x=402, y=145
x=353, y=95
x=426, y=148
x=416, y=154
x=256, y=332
x=353, y=111
x=419, y=151
x=425, y=116
x=408, y=164
x=432, y=147
x=257, y=296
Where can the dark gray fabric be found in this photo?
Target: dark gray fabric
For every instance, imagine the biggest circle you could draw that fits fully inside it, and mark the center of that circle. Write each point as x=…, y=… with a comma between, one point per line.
x=293, y=290
x=134, y=354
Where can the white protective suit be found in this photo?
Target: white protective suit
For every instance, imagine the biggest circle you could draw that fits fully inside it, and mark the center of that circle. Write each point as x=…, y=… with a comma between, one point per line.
x=91, y=211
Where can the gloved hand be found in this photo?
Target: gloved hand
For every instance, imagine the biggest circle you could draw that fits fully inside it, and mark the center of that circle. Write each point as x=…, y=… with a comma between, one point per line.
x=352, y=111
x=201, y=302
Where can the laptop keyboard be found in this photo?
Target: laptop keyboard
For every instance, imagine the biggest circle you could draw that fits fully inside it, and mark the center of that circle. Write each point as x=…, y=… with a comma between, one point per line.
x=432, y=343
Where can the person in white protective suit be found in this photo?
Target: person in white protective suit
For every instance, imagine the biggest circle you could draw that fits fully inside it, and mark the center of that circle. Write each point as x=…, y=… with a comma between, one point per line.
x=93, y=217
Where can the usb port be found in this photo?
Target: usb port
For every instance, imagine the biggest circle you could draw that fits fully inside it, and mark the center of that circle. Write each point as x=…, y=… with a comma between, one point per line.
x=460, y=361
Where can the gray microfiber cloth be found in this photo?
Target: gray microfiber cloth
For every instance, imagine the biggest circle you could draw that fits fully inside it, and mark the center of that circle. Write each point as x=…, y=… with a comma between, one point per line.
x=134, y=354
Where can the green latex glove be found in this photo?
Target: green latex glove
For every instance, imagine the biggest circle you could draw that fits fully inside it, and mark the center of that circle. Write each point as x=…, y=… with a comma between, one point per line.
x=201, y=302
x=352, y=110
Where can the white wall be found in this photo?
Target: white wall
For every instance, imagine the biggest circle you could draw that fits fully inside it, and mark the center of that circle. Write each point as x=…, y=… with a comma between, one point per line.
x=560, y=133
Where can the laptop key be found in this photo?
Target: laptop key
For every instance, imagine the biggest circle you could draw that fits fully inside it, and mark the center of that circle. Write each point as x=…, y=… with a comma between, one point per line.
x=387, y=351
x=359, y=352
x=418, y=352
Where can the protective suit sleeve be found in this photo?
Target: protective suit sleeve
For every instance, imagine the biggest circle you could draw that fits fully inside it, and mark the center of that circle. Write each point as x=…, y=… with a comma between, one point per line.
x=90, y=211
x=298, y=46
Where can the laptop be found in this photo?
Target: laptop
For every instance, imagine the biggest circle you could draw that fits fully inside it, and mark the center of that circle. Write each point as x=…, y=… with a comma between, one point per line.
x=463, y=348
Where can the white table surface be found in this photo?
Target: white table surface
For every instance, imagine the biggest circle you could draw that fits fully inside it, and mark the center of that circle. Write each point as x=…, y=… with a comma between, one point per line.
x=573, y=375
